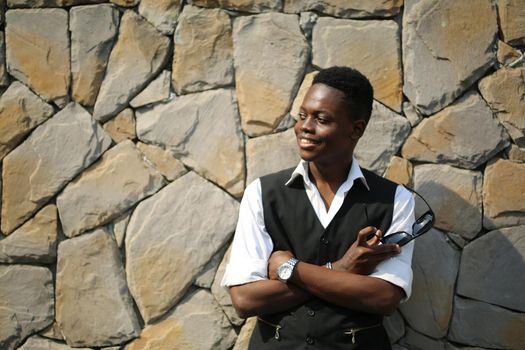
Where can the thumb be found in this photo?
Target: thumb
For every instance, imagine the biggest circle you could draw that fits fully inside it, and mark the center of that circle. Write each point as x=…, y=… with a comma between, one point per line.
x=364, y=233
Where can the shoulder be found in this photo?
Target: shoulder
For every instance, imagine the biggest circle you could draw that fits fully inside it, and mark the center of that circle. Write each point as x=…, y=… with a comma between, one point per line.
x=376, y=182
x=278, y=178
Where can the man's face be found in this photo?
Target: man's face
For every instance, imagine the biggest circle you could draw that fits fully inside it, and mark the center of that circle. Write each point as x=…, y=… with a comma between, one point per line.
x=325, y=131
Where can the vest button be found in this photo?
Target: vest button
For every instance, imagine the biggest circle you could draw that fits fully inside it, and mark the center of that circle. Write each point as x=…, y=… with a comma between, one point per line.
x=310, y=340
x=310, y=312
x=324, y=240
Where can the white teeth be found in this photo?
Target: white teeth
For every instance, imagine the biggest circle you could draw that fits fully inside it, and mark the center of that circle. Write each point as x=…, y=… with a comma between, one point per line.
x=308, y=141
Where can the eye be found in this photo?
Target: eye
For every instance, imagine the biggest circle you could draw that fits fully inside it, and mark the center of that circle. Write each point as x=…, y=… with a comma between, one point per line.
x=302, y=116
x=322, y=120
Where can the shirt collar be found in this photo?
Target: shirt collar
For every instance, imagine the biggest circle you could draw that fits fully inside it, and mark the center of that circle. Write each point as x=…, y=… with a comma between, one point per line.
x=354, y=173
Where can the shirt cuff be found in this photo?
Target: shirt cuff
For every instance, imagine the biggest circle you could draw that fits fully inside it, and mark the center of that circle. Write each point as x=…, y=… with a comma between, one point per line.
x=397, y=276
x=245, y=272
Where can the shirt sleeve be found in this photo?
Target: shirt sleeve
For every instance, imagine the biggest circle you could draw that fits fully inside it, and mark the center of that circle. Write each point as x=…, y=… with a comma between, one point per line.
x=252, y=245
x=398, y=270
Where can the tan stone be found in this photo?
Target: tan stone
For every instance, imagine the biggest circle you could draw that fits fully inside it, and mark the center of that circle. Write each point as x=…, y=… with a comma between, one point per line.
x=162, y=235
x=504, y=92
x=516, y=154
x=158, y=90
x=49, y=3
x=507, y=54
x=503, y=195
x=122, y=127
x=120, y=225
x=412, y=114
x=305, y=85
x=106, y=190
x=125, y=3
x=93, y=33
x=4, y=78
x=512, y=21
x=243, y=339
x=443, y=44
x=26, y=302
x=20, y=112
x=203, y=50
x=241, y=5
x=400, y=171
x=49, y=158
x=265, y=90
x=188, y=127
x=39, y=343
x=38, y=51
x=169, y=166
x=91, y=290
x=271, y=153
x=162, y=14
x=346, y=8
x=33, y=242
x=52, y=332
x=464, y=134
x=138, y=56
x=207, y=275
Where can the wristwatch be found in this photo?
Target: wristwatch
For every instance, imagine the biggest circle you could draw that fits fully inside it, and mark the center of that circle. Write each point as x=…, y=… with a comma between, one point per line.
x=285, y=271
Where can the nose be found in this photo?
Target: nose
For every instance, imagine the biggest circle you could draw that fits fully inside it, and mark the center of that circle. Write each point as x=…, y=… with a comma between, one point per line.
x=307, y=125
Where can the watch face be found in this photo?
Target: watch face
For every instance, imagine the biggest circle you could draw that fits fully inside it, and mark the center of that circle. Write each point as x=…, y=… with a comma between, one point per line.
x=285, y=271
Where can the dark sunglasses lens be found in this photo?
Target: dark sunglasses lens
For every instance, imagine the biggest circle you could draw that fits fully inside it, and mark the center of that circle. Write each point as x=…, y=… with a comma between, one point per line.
x=423, y=224
x=400, y=238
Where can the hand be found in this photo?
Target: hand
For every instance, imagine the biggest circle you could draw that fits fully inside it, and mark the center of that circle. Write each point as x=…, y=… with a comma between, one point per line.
x=277, y=259
x=363, y=256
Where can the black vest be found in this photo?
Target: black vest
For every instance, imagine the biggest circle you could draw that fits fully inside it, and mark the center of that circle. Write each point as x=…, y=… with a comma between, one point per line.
x=293, y=225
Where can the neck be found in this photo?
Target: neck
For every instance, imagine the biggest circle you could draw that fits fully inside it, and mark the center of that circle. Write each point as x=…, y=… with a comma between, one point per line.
x=333, y=174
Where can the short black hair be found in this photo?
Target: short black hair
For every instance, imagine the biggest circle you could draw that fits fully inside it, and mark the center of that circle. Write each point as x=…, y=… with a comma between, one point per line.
x=358, y=91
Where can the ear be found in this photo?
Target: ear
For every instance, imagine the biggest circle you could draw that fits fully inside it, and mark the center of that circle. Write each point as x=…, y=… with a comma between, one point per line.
x=357, y=130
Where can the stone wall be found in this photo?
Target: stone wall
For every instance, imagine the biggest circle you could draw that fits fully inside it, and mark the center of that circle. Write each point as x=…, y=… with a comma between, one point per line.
x=129, y=129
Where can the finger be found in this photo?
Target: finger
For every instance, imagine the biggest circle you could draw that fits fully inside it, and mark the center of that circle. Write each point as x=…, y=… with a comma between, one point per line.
x=363, y=234
x=375, y=239
x=384, y=249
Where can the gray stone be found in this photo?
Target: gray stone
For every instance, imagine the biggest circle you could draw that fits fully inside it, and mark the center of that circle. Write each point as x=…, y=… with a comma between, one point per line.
x=125, y=3
x=119, y=226
x=162, y=14
x=503, y=91
x=106, y=190
x=307, y=22
x=416, y=341
x=441, y=42
x=454, y=195
x=49, y=3
x=435, y=264
x=4, y=78
x=265, y=90
x=496, y=282
x=49, y=158
x=412, y=114
x=512, y=21
x=480, y=324
x=157, y=91
x=394, y=326
x=20, y=112
x=203, y=57
x=243, y=339
x=26, y=302
x=384, y=135
x=271, y=153
x=464, y=134
x=516, y=154
x=346, y=8
x=38, y=51
x=39, y=343
x=303, y=89
x=255, y=6
x=52, y=332
x=372, y=47
x=91, y=290
x=162, y=235
x=33, y=242
x=138, y=56
x=207, y=275
x=188, y=127
x=503, y=195
x=169, y=166
x=122, y=127
x=93, y=32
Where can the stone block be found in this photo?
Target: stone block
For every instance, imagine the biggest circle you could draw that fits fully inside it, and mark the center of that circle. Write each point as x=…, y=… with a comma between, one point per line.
x=303, y=89
x=122, y=127
x=516, y=154
x=125, y=3
x=157, y=91
x=207, y=275
x=38, y=343
x=4, y=78
x=162, y=14
x=400, y=171
x=346, y=8
x=120, y=224
x=255, y=6
x=243, y=339
x=169, y=166
x=507, y=54
x=394, y=326
x=417, y=341
x=512, y=21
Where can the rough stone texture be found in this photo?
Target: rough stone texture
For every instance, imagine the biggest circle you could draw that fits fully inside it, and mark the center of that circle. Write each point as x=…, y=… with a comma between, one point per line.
x=52, y=332
x=505, y=91
x=400, y=171
x=346, y=8
x=113, y=185
x=26, y=302
x=498, y=281
x=20, y=112
x=33, y=242
x=122, y=127
x=416, y=341
x=163, y=234
x=265, y=91
x=411, y=113
x=454, y=195
x=162, y=14
x=39, y=343
x=203, y=57
x=372, y=47
x=303, y=89
x=480, y=324
x=169, y=166
x=221, y=294
x=125, y=3
x=49, y=3
x=512, y=21
x=307, y=22
x=450, y=135
x=48, y=159
x=158, y=90
x=267, y=154
x=503, y=195
x=395, y=326
x=91, y=289
x=138, y=56
x=93, y=33
x=207, y=275
x=120, y=225
x=435, y=265
x=516, y=154
x=255, y=6
x=38, y=51
x=384, y=135
x=243, y=339
x=507, y=54
x=441, y=43
x=188, y=126
x=4, y=79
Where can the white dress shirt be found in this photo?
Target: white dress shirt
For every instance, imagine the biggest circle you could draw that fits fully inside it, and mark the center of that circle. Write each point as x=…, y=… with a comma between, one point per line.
x=252, y=245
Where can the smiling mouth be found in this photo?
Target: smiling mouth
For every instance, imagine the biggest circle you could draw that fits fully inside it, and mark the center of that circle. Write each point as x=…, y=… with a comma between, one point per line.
x=308, y=141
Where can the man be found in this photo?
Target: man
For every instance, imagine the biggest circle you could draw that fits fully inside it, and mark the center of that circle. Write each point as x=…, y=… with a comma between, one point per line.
x=306, y=257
